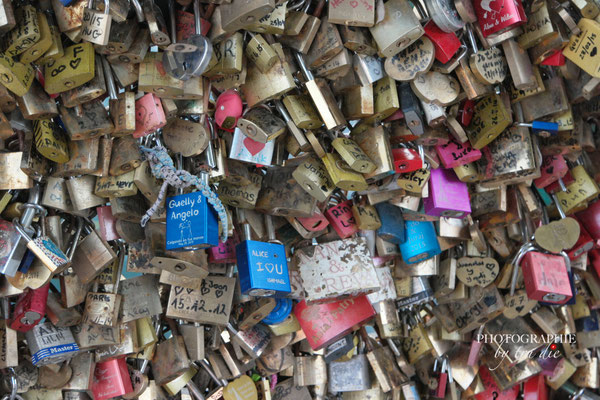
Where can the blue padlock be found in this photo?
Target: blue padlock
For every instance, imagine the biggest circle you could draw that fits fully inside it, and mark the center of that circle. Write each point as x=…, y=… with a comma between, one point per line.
x=542, y=128
x=421, y=242
x=191, y=223
x=283, y=308
x=262, y=266
x=392, y=223
x=588, y=324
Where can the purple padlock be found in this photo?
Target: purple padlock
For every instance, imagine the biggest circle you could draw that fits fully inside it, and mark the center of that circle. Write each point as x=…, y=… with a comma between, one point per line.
x=448, y=196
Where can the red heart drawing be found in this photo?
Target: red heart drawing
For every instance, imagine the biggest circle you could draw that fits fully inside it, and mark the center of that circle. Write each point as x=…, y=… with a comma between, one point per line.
x=253, y=146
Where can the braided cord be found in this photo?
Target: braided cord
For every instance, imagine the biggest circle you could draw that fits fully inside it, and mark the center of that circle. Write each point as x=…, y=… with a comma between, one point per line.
x=162, y=167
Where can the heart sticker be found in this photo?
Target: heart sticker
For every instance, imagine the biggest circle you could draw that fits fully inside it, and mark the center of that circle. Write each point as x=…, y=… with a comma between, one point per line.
x=477, y=271
x=558, y=235
x=518, y=305
x=253, y=146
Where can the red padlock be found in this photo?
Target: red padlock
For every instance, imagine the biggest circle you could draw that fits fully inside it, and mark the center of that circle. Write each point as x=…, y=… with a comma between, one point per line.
x=30, y=309
x=465, y=111
x=341, y=219
x=111, y=379
x=492, y=391
x=553, y=167
x=314, y=223
x=499, y=16
x=545, y=276
x=590, y=218
x=446, y=43
x=186, y=25
x=406, y=160
x=455, y=154
x=107, y=223
x=555, y=186
x=584, y=244
x=535, y=388
x=323, y=324
x=556, y=59
x=224, y=253
x=228, y=110
x=149, y=115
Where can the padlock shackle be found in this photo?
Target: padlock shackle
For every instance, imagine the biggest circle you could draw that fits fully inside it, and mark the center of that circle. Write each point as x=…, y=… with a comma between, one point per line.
x=108, y=77
x=302, y=64
x=122, y=251
x=172, y=23
x=29, y=213
x=197, y=19
x=526, y=248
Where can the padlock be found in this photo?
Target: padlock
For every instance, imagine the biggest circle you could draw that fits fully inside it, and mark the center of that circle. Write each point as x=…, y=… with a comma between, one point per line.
x=92, y=122
x=545, y=275
x=342, y=219
x=259, y=277
x=228, y=109
x=44, y=249
x=30, y=309
x=444, y=183
x=91, y=256
x=302, y=111
x=149, y=115
x=111, y=379
x=191, y=222
x=339, y=278
x=49, y=344
x=104, y=308
x=261, y=125
x=312, y=176
x=397, y=30
x=324, y=325
x=392, y=223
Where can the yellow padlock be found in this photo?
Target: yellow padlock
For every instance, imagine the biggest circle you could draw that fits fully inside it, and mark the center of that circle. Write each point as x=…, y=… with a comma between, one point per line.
x=73, y=69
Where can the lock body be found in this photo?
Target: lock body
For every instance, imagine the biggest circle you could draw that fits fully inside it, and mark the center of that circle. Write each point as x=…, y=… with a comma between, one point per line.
x=448, y=196
x=191, y=222
x=421, y=242
x=49, y=344
x=262, y=268
x=342, y=219
x=326, y=323
x=546, y=278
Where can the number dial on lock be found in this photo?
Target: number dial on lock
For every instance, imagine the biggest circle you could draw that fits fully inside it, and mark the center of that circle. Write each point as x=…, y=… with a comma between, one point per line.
x=518, y=304
x=435, y=87
x=489, y=66
x=558, y=235
x=477, y=271
x=414, y=60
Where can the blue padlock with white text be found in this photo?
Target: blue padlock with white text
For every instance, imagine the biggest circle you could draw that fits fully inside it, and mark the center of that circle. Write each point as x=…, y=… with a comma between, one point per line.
x=421, y=242
x=191, y=222
x=262, y=266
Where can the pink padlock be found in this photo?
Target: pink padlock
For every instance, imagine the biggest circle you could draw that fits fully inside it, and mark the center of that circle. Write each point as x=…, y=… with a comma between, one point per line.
x=107, y=223
x=448, y=196
x=553, y=167
x=456, y=154
x=149, y=115
x=545, y=276
x=224, y=253
x=111, y=379
x=342, y=220
x=314, y=223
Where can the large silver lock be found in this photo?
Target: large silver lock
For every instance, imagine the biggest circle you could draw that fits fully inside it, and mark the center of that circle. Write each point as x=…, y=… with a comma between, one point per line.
x=49, y=344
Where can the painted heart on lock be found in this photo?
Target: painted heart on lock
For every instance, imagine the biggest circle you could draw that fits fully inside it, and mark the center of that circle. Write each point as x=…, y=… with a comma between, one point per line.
x=253, y=146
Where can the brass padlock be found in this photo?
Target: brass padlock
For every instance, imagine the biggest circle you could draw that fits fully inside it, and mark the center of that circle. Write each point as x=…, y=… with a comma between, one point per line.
x=90, y=121
x=75, y=68
x=261, y=125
